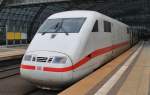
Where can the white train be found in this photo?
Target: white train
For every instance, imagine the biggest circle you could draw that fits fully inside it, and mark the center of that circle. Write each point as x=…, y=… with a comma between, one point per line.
x=70, y=45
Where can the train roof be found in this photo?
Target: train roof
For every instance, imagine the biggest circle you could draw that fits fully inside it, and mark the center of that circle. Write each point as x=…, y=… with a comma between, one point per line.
x=75, y=13
x=83, y=13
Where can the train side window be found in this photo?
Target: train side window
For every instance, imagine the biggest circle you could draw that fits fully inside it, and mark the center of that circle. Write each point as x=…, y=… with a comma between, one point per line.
x=95, y=28
x=107, y=26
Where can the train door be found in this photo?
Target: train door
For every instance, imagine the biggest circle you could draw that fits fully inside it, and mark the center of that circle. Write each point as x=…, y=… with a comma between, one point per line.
x=130, y=33
x=108, y=29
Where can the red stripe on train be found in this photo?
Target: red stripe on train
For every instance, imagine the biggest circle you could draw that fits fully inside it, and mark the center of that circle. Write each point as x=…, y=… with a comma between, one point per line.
x=27, y=67
x=81, y=62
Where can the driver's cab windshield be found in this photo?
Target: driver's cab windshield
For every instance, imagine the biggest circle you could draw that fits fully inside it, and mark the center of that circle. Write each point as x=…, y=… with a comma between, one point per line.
x=62, y=25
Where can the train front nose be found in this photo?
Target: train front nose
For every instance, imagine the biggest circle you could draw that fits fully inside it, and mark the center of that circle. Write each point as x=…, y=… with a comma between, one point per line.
x=47, y=69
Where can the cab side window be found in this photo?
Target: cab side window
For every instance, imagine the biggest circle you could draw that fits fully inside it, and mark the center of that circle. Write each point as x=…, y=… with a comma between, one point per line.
x=107, y=26
x=95, y=27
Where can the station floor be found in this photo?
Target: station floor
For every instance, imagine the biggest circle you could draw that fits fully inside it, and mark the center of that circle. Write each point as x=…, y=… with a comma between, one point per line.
x=137, y=81
x=11, y=52
x=4, y=49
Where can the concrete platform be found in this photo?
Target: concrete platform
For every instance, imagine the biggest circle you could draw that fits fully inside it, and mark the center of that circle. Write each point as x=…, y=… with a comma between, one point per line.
x=11, y=53
x=137, y=82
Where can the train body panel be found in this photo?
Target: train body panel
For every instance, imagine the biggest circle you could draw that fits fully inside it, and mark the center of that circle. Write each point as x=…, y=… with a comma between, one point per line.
x=69, y=45
x=101, y=40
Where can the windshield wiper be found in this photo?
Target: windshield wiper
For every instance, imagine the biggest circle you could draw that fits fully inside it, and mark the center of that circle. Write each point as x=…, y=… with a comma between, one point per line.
x=67, y=33
x=43, y=33
x=63, y=29
x=56, y=29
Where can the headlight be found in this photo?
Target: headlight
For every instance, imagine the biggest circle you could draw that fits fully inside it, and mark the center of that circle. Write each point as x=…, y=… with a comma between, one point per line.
x=27, y=57
x=58, y=59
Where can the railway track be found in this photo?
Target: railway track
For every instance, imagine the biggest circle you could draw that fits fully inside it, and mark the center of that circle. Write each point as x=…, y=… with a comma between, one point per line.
x=9, y=68
x=42, y=92
x=9, y=71
x=11, y=62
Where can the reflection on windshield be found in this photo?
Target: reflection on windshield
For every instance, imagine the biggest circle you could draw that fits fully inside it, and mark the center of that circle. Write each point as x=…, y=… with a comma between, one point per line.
x=63, y=25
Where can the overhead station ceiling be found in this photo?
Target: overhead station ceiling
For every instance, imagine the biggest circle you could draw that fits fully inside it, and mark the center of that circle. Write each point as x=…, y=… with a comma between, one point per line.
x=132, y=12
x=27, y=2
x=32, y=13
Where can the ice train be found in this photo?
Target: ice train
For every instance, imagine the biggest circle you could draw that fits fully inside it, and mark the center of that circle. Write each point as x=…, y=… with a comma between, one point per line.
x=69, y=45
